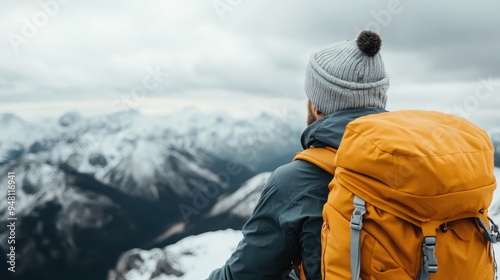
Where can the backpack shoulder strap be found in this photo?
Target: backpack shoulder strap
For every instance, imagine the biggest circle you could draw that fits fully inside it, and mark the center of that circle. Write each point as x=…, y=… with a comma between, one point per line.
x=321, y=157
x=324, y=159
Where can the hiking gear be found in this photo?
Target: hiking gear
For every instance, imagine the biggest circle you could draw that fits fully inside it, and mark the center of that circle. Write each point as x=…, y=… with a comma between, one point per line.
x=347, y=75
x=410, y=200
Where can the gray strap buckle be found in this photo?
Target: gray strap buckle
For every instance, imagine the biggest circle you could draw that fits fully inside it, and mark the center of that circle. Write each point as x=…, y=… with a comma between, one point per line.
x=357, y=214
x=356, y=226
x=429, y=264
x=493, y=234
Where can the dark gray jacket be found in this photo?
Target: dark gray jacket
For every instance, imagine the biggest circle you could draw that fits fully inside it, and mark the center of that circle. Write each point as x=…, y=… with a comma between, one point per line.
x=286, y=222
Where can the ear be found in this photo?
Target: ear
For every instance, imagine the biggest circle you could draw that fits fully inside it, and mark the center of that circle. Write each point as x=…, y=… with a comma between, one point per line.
x=316, y=112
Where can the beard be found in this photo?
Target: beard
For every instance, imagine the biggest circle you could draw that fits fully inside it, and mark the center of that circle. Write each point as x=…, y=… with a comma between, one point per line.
x=310, y=116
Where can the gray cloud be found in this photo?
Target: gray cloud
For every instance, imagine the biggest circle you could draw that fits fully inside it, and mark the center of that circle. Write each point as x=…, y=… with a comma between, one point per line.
x=101, y=50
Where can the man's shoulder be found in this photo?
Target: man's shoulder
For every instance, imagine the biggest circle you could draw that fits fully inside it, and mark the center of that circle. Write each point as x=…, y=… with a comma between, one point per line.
x=295, y=191
x=298, y=168
x=298, y=176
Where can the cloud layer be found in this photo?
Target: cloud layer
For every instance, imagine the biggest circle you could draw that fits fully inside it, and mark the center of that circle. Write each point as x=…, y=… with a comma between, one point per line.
x=231, y=52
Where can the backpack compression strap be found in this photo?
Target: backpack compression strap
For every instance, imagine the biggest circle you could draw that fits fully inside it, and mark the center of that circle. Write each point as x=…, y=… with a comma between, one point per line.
x=321, y=157
x=356, y=226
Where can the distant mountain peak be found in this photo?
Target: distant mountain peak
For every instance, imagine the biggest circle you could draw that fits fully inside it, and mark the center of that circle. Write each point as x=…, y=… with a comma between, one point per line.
x=10, y=119
x=69, y=118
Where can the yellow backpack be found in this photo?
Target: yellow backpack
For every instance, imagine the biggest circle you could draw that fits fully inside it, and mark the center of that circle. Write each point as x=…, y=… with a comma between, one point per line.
x=409, y=199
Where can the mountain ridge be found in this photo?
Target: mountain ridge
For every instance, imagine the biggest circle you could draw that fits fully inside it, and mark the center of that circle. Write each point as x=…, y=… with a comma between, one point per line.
x=82, y=180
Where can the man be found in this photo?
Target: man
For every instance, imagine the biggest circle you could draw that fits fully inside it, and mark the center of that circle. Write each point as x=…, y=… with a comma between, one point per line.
x=343, y=82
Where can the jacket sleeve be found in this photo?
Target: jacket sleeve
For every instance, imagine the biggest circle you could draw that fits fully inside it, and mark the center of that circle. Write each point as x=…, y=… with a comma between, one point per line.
x=268, y=245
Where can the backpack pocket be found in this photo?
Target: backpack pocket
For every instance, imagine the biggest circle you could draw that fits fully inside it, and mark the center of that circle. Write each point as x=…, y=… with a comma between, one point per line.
x=462, y=252
x=335, y=245
x=381, y=264
x=376, y=262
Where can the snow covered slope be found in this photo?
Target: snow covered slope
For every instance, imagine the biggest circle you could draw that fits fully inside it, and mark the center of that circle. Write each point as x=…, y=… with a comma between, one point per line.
x=195, y=257
x=242, y=202
x=192, y=258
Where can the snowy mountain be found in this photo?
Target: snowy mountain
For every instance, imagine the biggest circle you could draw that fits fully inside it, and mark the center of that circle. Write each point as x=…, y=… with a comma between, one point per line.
x=191, y=258
x=196, y=256
x=205, y=255
x=242, y=202
x=96, y=145
x=88, y=189
x=231, y=210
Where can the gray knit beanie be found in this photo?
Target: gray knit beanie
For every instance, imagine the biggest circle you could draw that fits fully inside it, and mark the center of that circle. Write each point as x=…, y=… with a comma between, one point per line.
x=348, y=75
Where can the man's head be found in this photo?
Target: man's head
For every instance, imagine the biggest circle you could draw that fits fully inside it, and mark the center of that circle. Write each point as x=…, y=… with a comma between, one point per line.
x=347, y=75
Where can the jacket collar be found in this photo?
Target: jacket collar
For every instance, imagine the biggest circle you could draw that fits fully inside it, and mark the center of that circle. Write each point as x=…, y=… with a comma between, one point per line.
x=328, y=131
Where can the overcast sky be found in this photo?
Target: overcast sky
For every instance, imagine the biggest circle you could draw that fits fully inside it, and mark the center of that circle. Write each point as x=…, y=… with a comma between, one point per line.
x=239, y=56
